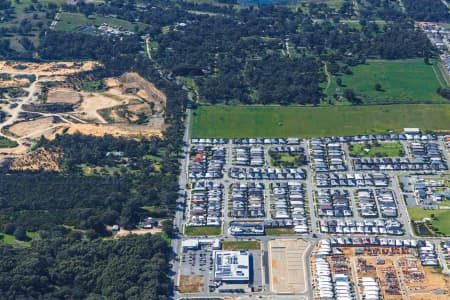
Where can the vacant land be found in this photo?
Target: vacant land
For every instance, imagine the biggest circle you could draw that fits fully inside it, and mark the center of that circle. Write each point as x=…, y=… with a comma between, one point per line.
x=287, y=269
x=279, y=231
x=241, y=245
x=191, y=284
x=37, y=127
x=380, y=150
x=202, y=230
x=47, y=69
x=402, y=80
x=440, y=219
x=63, y=95
x=285, y=121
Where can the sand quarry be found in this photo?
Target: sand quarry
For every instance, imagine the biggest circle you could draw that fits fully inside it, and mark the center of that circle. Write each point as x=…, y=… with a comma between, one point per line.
x=128, y=106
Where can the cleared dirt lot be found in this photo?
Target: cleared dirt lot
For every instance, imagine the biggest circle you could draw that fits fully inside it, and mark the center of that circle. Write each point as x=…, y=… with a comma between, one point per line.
x=63, y=95
x=191, y=283
x=135, y=84
x=103, y=129
x=92, y=103
x=287, y=266
x=22, y=129
x=123, y=232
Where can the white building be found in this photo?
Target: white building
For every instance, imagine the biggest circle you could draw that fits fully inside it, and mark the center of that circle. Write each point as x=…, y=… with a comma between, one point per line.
x=232, y=266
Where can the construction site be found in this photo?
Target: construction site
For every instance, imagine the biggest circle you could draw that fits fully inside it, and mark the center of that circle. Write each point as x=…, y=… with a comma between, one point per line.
x=45, y=99
x=392, y=273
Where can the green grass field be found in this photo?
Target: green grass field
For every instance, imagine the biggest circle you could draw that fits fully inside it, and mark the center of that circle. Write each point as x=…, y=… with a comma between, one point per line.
x=9, y=239
x=279, y=231
x=441, y=219
x=297, y=121
x=401, y=81
x=70, y=21
x=382, y=150
x=241, y=245
x=202, y=230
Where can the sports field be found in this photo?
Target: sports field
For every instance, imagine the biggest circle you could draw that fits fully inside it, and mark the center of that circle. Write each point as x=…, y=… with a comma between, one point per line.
x=298, y=121
x=399, y=80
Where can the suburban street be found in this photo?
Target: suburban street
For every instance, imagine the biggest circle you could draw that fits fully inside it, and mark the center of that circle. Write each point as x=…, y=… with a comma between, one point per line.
x=314, y=235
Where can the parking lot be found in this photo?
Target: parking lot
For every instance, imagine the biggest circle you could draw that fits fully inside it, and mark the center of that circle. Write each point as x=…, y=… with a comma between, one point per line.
x=195, y=263
x=198, y=263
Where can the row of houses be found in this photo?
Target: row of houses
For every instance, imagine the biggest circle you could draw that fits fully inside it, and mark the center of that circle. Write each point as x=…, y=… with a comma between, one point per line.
x=289, y=203
x=323, y=281
x=367, y=205
x=287, y=149
x=370, y=288
x=248, y=156
x=349, y=226
x=428, y=255
x=209, y=141
x=373, y=241
x=327, y=156
x=351, y=179
x=267, y=173
x=428, y=153
x=394, y=164
x=247, y=200
x=207, y=162
x=333, y=203
x=206, y=204
x=386, y=202
x=409, y=134
x=331, y=283
x=266, y=141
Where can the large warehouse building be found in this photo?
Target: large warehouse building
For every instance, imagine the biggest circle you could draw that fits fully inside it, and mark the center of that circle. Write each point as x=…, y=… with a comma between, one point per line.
x=232, y=266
